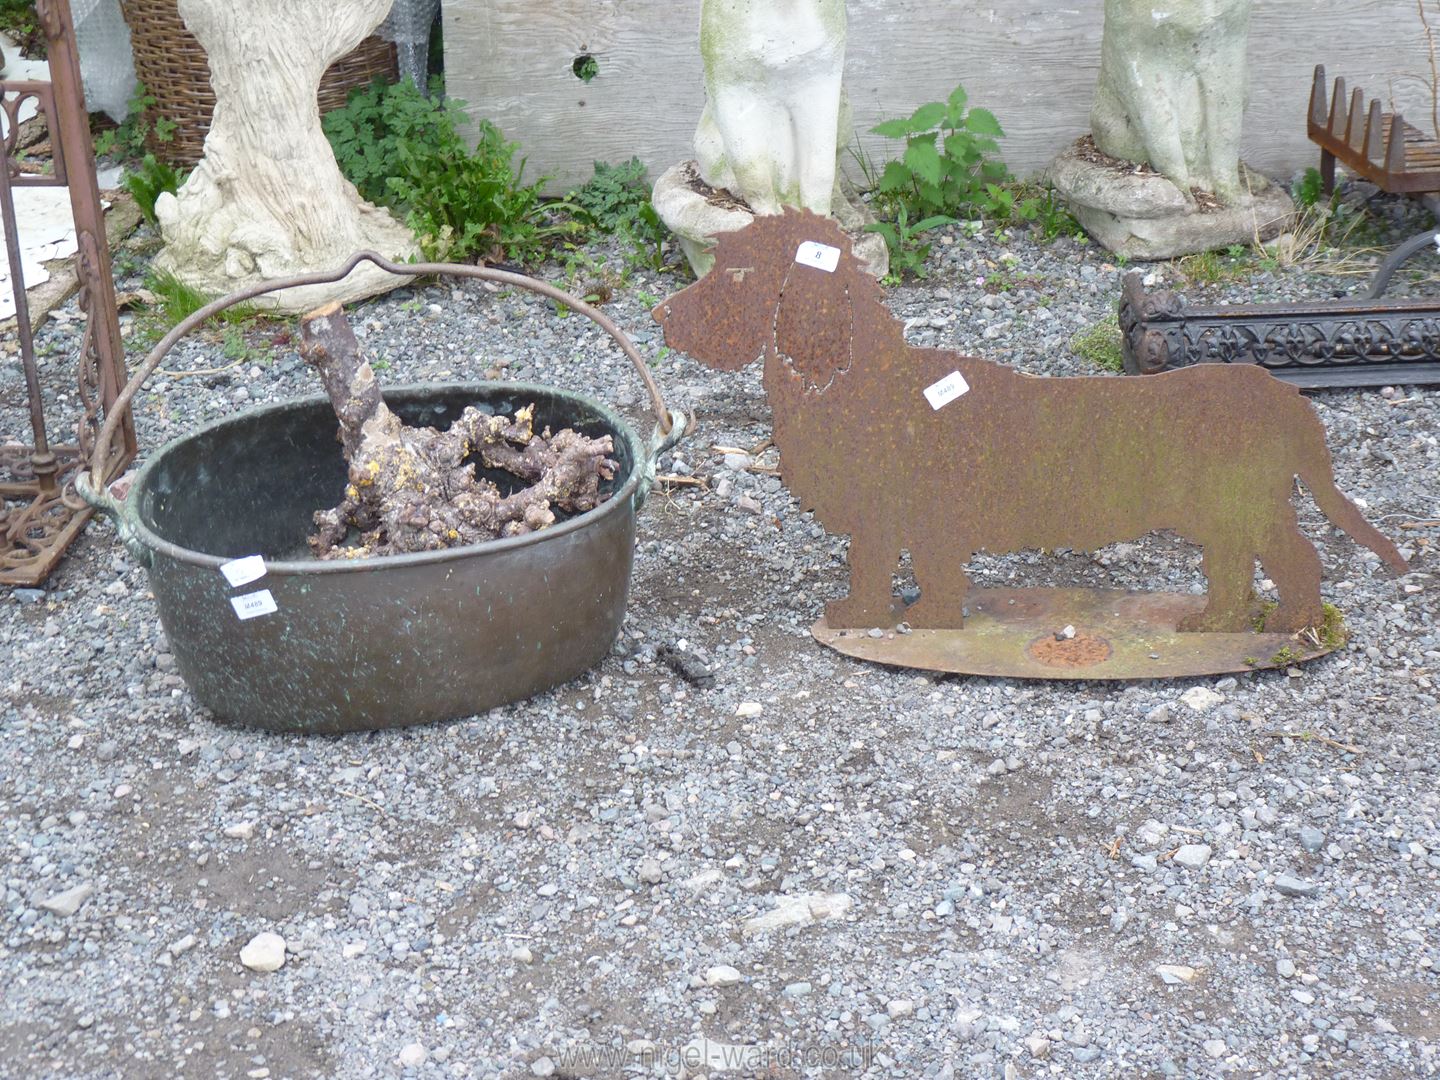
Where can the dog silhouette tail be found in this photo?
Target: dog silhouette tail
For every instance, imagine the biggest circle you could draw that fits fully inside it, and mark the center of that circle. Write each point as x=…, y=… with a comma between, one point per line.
x=1319, y=479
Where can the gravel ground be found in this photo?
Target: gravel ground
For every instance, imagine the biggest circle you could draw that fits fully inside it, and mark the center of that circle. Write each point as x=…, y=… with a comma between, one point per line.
x=953, y=876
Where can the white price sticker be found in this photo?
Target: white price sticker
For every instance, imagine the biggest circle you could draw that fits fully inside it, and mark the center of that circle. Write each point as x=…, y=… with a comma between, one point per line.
x=243, y=571
x=821, y=256
x=946, y=390
x=253, y=605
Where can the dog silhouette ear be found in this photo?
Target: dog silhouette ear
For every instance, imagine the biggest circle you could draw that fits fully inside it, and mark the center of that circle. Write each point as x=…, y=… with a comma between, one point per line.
x=724, y=320
x=815, y=323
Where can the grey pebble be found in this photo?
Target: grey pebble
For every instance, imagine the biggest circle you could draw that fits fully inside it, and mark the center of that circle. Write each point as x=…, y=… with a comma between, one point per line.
x=1288, y=885
x=1193, y=856
x=67, y=903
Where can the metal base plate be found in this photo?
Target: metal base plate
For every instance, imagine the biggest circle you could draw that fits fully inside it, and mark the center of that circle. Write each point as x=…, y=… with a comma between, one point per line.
x=1118, y=635
x=35, y=528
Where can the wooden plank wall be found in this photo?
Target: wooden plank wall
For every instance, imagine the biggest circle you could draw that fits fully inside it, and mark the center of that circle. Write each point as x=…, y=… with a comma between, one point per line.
x=1032, y=62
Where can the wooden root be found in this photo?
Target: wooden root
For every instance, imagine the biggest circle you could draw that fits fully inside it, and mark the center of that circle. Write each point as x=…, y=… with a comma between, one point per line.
x=415, y=489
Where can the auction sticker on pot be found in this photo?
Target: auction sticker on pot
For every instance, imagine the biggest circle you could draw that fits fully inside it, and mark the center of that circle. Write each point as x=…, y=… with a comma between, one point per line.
x=254, y=604
x=946, y=390
x=243, y=571
x=821, y=256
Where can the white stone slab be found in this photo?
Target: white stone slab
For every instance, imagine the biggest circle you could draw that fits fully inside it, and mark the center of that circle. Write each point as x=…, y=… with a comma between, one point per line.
x=46, y=233
x=18, y=69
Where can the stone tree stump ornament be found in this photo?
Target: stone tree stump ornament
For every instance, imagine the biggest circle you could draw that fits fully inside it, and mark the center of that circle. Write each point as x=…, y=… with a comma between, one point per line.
x=774, y=126
x=268, y=199
x=1171, y=100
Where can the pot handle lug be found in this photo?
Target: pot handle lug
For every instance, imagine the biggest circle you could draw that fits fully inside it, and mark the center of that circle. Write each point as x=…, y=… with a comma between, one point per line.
x=101, y=499
x=661, y=443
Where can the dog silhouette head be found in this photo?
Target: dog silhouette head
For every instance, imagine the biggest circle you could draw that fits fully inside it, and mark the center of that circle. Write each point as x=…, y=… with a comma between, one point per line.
x=786, y=282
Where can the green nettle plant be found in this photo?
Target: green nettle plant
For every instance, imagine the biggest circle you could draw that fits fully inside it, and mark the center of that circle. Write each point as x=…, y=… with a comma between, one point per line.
x=950, y=168
x=403, y=150
x=127, y=141
x=948, y=160
x=907, y=254
x=615, y=196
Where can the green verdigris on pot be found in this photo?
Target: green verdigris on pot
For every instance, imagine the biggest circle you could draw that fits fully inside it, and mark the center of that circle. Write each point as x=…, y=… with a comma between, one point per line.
x=1171, y=96
x=774, y=125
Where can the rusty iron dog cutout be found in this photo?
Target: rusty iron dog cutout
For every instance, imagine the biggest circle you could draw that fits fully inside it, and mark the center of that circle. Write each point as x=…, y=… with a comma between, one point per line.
x=946, y=455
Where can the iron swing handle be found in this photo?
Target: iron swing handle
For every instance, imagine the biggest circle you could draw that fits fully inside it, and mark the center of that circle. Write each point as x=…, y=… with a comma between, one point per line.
x=670, y=427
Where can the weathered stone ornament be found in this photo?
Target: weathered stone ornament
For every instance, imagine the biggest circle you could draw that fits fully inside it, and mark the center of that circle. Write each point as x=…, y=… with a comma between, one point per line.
x=268, y=200
x=775, y=123
x=944, y=456
x=1160, y=174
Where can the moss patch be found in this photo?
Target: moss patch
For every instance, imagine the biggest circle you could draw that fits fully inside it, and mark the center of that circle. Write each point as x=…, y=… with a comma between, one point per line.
x=1101, y=345
x=1332, y=630
x=1285, y=656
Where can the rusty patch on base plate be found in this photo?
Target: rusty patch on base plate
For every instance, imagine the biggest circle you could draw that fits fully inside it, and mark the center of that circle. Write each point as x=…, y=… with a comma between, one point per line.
x=1079, y=651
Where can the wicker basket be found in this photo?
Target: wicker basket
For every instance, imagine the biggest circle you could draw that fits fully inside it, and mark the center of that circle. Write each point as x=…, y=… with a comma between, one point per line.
x=172, y=65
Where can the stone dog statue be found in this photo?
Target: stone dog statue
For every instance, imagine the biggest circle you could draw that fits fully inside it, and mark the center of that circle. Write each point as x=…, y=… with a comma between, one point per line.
x=1173, y=87
x=946, y=455
x=773, y=125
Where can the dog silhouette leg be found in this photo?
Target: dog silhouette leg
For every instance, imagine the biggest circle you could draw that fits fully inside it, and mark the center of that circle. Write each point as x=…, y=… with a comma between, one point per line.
x=1229, y=569
x=943, y=585
x=871, y=602
x=1292, y=563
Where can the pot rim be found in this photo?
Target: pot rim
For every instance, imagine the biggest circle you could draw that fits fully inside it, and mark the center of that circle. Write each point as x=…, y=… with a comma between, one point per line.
x=620, y=501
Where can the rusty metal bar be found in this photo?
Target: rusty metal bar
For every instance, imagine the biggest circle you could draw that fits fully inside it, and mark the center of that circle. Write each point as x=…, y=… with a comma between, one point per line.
x=1318, y=113
x=41, y=514
x=41, y=459
x=1357, y=110
x=1375, y=148
x=1375, y=134
x=105, y=356
x=1337, y=103
x=1395, y=156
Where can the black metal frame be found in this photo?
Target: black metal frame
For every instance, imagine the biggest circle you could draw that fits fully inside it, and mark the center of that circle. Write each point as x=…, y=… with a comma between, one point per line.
x=1366, y=341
